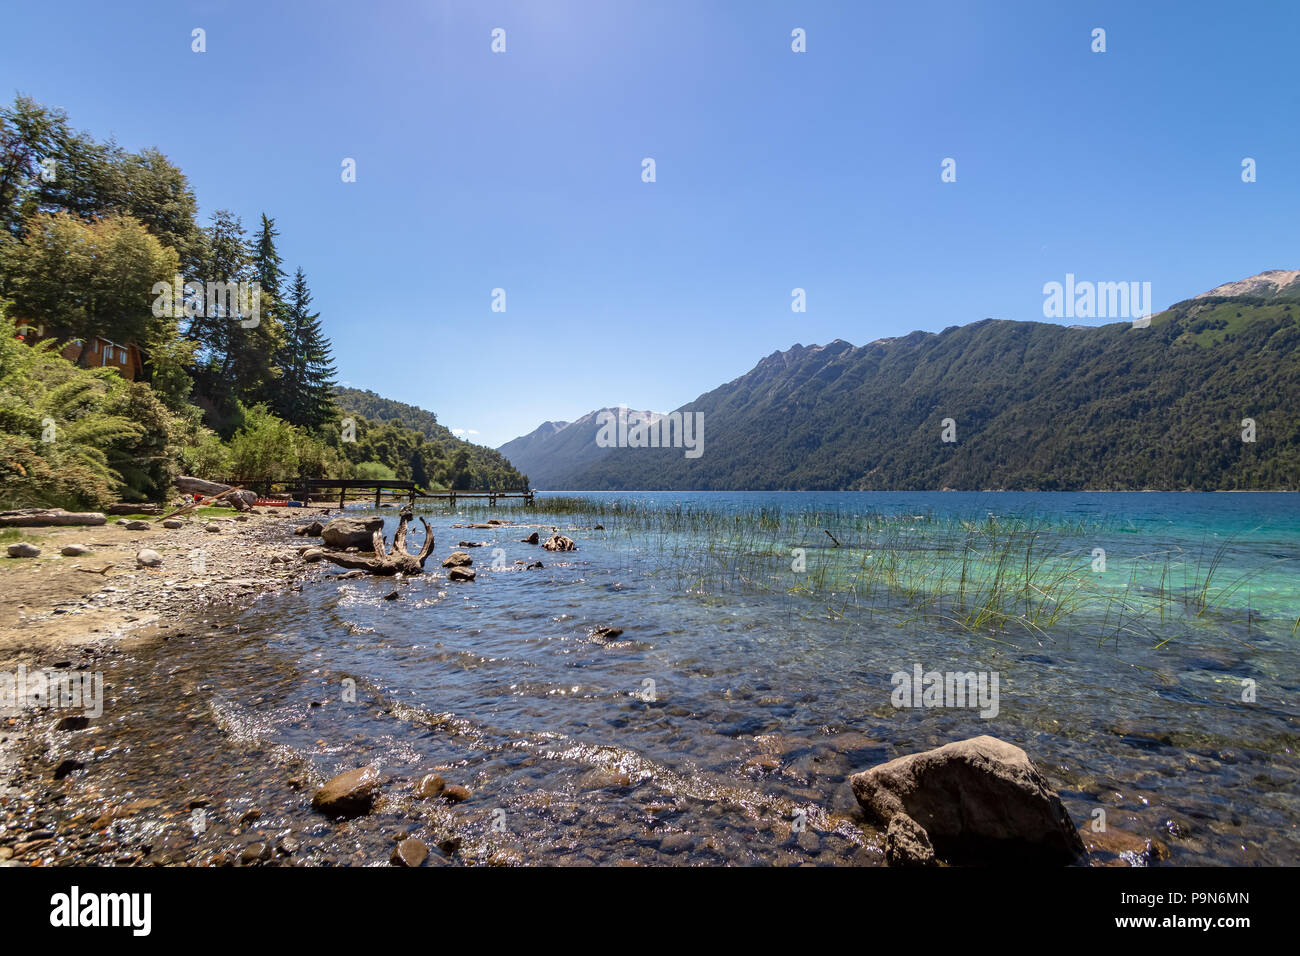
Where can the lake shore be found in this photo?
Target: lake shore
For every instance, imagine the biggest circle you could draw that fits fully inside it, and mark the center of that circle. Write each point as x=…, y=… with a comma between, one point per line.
x=51, y=603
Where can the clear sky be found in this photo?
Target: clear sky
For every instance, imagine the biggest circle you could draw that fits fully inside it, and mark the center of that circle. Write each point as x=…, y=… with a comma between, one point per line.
x=820, y=170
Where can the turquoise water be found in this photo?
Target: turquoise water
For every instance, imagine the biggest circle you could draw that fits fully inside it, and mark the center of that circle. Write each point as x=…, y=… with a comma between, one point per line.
x=722, y=725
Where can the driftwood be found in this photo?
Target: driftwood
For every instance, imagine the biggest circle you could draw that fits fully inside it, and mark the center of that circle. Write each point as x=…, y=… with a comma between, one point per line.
x=48, y=517
x=387, y=563
x=203, y=503
x=197, y=486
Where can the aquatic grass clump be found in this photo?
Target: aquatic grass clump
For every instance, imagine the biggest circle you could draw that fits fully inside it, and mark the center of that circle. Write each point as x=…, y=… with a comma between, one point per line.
x=989, y=574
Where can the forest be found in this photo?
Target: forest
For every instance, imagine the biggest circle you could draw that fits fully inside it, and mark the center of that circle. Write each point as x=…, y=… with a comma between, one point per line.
x=91, y=235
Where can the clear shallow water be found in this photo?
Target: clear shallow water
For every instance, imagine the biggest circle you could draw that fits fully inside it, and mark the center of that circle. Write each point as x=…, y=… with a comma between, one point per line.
x=763, y=701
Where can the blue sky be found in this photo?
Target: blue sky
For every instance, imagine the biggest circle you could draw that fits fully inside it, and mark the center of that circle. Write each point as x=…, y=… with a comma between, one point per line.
x=775, y=170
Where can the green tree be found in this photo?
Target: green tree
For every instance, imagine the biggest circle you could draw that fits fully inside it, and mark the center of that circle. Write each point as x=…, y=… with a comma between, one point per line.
x=305, y=395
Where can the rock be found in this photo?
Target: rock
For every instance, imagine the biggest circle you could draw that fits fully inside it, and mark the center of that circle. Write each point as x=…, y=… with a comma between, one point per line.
x=137, y=526
x=350, y=794
x=173, y=524
x=430, y=786
x=979, y=801
x=121, y=521
x=531, y=539
x=536, y=565
x=471, y=544
x=212, y=528
x=312, y=555
x=606, y=633
x=558, y=542
x=677, y=842
x=313, y=530
x=23, y=550
x=66, y=767
x=148, y=558
x=74, y=550
x=348, y=575
x=410, y=852
x=461, y=574
x=254, y=853
x=455, y=793
x=907, y=843
x=604, y=779
x=599, y=527
x=343, y=533
x=392, y=596
x=72, y=722
x=1115, y=847
x=457, y=559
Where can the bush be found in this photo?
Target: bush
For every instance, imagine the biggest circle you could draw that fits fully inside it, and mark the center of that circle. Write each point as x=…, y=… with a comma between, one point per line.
x=375, y=470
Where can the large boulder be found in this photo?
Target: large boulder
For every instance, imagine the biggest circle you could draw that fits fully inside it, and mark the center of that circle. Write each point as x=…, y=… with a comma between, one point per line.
x=978, y=801
x=351, y=533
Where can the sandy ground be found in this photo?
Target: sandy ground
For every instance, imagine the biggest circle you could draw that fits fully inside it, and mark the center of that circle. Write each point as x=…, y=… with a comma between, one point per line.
x=51, y=603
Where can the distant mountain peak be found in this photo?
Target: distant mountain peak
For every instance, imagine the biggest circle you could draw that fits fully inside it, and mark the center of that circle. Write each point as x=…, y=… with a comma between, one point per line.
x=1264, y=283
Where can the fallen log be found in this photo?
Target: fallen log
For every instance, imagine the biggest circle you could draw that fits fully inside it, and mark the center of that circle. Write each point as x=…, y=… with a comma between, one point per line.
x=134, y=508
x=203, y=503
x=197, y=486
x=49, y=517
x=387, y=563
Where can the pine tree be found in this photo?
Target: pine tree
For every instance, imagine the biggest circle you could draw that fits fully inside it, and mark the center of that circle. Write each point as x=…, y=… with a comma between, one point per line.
x=305, y=393
x=266, y=259
x=236, y=360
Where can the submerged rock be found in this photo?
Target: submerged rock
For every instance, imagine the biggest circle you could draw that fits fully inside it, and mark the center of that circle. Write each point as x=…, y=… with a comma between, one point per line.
x=558, y=542
x=461, y=574
x=1115, y=847
x=410, y=852
x=455, y=793
x=429, y=786
x=313, y=530
x=350, y=794
x=531, y=539
x=978, y=801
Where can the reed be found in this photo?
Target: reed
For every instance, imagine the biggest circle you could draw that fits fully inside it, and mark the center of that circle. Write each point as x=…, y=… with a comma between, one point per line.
x=993, y=575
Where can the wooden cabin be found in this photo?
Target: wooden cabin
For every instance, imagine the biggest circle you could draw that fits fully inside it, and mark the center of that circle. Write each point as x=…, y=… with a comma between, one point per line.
x=96, y=352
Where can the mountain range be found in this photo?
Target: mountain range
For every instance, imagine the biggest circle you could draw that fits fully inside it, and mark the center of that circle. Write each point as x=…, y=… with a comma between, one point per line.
x=1207, y=397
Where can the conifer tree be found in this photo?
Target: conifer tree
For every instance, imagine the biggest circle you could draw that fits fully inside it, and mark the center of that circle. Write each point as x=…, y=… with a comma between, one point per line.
x=305, y=392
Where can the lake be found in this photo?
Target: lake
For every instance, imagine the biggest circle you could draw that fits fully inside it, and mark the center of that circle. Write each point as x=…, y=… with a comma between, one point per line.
x=1144, y=647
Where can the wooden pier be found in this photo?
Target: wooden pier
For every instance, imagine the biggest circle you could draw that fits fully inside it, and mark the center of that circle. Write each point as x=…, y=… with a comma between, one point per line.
x=305, y=489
